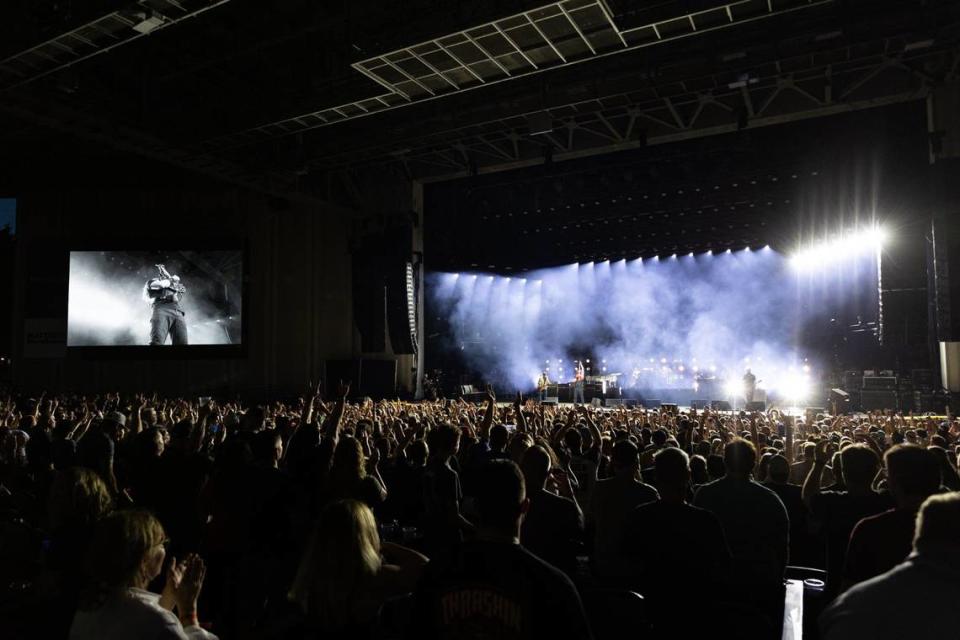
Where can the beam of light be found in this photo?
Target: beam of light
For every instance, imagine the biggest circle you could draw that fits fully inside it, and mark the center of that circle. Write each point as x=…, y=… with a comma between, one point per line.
x=630, y=314
x=865, y=241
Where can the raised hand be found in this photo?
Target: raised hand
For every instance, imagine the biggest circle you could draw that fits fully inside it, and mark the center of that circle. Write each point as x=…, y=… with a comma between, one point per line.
x=343, y=390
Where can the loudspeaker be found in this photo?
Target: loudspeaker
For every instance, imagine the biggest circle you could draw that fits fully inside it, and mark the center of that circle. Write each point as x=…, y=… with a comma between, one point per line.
x=596, y=402
x=550, y=400
x=669, y=408
x=613, y=402
x=720, y=405
x=384, y=290
x=699, y=405
x=402, y=308
x=756, y=406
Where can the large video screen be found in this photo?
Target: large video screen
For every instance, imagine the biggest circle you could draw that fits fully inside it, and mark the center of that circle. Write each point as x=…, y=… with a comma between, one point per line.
x=155, y=298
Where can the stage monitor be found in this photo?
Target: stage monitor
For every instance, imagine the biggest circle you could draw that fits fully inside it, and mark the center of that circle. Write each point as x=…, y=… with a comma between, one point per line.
x=179, y=298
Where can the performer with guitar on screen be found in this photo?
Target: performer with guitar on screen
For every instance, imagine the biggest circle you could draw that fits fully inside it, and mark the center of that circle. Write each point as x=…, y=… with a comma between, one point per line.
x=165, y=292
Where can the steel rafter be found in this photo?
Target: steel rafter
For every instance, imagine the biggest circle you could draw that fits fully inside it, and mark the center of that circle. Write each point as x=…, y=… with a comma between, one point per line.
x=556, y=35
x=98, y=36
x=640, y=117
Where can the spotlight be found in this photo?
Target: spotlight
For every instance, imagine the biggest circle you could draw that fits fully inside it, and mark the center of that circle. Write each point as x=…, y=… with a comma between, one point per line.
x=729, y=251
x=709, y=252
x=456, y=275
x=690, y=254
x=859, y=242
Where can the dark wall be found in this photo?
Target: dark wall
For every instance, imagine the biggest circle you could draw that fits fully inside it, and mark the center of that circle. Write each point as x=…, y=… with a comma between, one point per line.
x=297, y=295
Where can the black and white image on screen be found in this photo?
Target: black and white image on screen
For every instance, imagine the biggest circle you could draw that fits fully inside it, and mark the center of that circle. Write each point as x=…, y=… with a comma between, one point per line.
x=132, y=298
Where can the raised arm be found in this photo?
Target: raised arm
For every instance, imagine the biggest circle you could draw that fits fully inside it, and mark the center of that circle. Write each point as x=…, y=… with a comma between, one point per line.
x=331, y=428
x=811, y=485
x=518, y=409
x=488, y=414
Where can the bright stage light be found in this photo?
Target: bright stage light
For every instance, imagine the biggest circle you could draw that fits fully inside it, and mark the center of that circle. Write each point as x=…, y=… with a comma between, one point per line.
x=796, y=388
x=733, y=388
x=860, y=242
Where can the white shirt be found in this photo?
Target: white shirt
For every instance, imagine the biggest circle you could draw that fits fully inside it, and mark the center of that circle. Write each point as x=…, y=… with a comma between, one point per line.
x=136, y=614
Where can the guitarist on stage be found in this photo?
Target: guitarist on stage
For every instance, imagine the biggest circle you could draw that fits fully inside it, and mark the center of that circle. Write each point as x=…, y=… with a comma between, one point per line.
x=542, y=382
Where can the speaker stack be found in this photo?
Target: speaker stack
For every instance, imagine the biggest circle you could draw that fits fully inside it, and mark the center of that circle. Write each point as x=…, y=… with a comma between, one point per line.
x=879, y=392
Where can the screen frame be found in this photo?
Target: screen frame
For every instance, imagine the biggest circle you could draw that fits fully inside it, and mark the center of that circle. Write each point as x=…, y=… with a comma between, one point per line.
x=167, y=352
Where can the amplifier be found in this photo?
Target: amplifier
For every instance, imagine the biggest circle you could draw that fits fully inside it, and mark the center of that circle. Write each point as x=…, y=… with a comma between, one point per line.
x=880, y=382
x=871, y=399
x=613, y=402
x=922, y=378
x=906, y=402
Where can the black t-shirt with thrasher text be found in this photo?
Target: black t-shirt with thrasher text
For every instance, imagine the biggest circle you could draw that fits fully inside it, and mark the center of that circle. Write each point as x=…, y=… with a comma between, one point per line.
x=496, y=590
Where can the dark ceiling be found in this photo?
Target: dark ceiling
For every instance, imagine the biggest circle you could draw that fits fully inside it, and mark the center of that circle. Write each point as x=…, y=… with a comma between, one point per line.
x=663, y=98
x=182, y=91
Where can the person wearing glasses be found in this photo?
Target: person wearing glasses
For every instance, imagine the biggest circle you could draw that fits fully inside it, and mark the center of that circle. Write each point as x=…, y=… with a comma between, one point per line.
x=126, y=553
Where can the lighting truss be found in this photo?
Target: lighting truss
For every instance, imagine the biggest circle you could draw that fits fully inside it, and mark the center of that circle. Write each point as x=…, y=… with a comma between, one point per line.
x=98, y=36
x=549, y=37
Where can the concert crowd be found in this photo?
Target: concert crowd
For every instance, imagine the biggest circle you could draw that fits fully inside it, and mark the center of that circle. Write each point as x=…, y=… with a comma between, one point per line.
x=138, y=516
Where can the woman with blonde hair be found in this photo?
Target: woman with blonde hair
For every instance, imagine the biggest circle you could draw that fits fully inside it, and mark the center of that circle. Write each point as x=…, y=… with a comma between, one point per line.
x=127, y=552
x=352, y=476
x=343, y=581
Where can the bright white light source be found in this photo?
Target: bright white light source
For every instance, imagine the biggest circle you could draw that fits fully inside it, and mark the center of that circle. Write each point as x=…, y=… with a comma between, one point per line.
x=796, y=388
x=862, y=242
x=734, y=388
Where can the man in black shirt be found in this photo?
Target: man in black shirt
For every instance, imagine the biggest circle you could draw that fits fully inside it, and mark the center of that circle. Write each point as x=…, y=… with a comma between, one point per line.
x=165, y=292
x=553, y=526
x=492, y=587
x=670, y=548
x=838, y=512
x=442, y=495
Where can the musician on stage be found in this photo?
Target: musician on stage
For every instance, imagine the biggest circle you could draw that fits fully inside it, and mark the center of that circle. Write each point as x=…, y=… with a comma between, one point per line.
x=749, y=385
x=579, y=375
x=542, y=383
